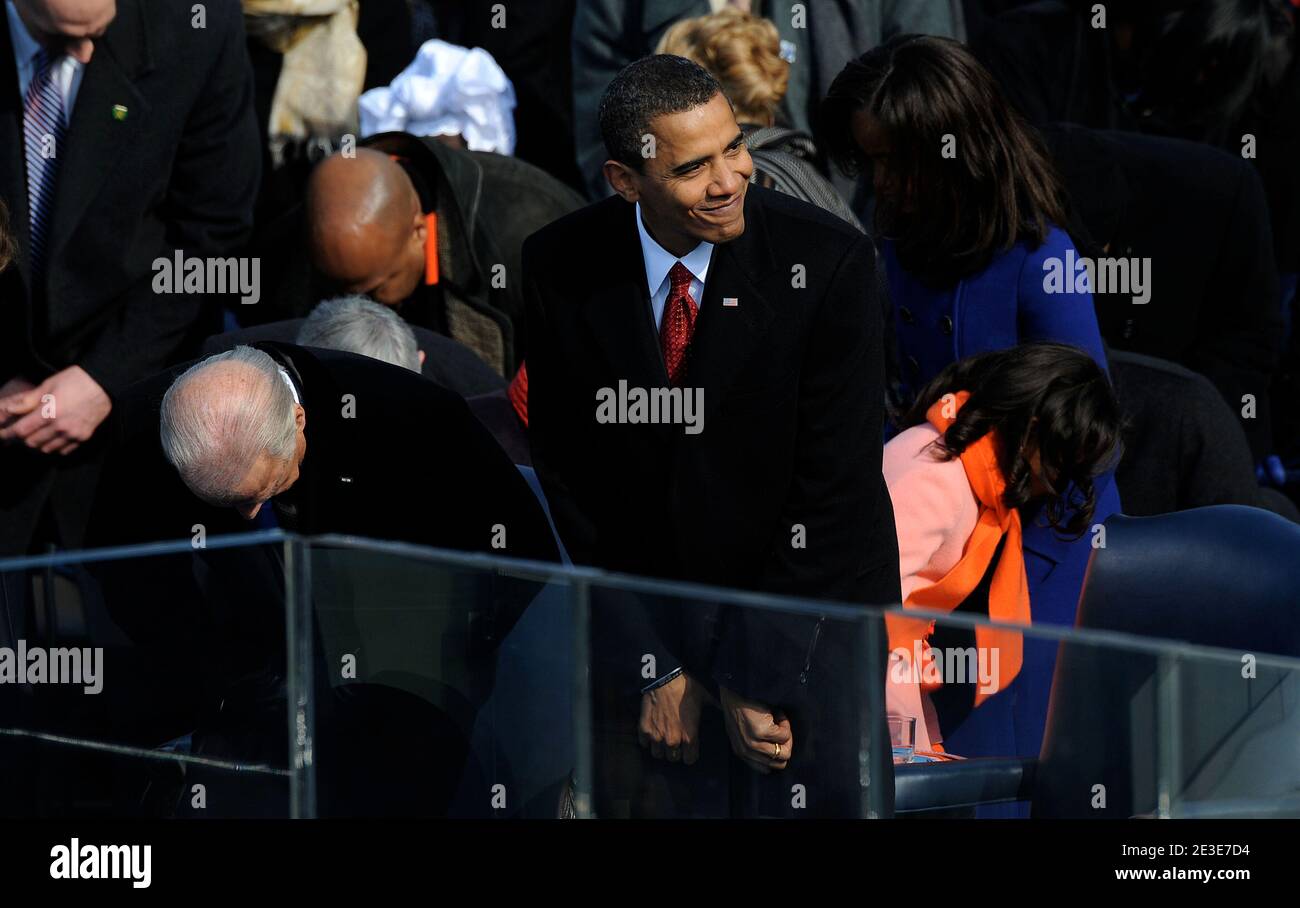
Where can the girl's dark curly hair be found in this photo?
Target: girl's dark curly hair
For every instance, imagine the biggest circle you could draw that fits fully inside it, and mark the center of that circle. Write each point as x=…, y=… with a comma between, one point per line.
x=1052, y=396
x=997, y=189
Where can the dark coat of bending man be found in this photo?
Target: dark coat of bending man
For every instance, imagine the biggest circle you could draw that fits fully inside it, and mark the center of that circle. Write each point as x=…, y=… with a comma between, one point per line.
x=331, y=443
x=376, y=451
x=759, y=309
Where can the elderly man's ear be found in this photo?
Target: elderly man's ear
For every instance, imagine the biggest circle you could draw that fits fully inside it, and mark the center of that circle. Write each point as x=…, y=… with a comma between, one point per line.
x=299, y=417
x=421, y=352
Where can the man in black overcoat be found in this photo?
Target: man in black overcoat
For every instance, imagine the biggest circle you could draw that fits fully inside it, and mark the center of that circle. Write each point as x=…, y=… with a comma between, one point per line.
x=126, y=136
x=760, y=310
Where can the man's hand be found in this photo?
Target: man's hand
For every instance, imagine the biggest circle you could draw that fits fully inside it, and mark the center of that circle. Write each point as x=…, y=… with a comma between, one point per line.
x=15, y=385
x=670, y=720
x=57, y=415
x=760, y=736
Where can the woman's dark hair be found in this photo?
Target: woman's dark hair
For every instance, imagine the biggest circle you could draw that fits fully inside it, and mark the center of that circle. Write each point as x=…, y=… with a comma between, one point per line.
x=1203, y=66
x=1052, y=396
x=997, y=187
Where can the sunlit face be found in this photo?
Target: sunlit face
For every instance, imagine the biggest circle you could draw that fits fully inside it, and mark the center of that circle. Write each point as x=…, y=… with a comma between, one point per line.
x=692, y=189
x=67, y=26
x=267, y=478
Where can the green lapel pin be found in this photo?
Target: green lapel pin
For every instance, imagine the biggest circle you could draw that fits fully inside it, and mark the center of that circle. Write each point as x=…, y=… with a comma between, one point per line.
x=119, y=112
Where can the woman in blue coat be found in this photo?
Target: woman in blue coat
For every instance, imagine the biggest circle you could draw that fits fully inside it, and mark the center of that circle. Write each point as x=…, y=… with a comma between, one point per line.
x=969, y=212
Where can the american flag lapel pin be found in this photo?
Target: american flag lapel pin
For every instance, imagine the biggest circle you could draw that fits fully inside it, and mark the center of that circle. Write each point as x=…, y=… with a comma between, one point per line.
x=730, y=302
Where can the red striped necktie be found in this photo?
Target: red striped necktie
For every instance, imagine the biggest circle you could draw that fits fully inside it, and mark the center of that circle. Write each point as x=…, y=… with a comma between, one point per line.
x=678, y=324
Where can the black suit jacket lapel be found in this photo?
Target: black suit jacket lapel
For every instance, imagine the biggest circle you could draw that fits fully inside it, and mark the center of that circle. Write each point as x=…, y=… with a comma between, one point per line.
x=323, y=401
x=95, y=137
x=618, y=304
x=725, y=336
x=13, y=164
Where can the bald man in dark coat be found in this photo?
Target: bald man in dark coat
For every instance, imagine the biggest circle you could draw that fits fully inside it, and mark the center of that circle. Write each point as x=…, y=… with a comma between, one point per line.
x=435, y=231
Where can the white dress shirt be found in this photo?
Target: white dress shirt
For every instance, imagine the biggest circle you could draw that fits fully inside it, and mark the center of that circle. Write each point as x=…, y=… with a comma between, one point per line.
x=659, y=261
x=67, y=70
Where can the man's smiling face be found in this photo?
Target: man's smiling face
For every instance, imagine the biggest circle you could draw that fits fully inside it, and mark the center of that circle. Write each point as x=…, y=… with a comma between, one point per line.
x=692, y=189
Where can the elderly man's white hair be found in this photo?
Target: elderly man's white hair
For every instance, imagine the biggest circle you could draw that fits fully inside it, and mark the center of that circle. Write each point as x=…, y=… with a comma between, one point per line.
x=356, y=324
x=221, y=415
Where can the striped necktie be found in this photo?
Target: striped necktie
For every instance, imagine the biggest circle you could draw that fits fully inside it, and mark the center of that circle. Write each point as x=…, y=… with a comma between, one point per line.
x=43, y=131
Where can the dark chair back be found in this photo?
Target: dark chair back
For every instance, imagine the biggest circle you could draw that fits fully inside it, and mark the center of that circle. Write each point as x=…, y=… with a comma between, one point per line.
x=1225, y=576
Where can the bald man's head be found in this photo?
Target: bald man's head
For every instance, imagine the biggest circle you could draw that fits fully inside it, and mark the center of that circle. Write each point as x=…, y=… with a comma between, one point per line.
x=365, y=225
x=231, y=428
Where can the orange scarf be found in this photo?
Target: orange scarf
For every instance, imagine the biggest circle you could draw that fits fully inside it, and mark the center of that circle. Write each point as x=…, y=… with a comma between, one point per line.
x=1009, y=590
x=430, y=240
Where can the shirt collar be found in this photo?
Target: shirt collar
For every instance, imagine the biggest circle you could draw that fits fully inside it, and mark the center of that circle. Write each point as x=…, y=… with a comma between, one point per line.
x=659, y=261
x=25, y=46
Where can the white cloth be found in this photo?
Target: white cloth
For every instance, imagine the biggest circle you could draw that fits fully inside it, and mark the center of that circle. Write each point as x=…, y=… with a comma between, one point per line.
x=447, y=90
x=67, y=70
x=659, y=261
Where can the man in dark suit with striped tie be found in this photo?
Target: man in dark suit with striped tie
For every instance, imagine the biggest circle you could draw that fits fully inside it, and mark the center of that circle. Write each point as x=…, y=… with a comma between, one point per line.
x=691, y=281
x=127, y=135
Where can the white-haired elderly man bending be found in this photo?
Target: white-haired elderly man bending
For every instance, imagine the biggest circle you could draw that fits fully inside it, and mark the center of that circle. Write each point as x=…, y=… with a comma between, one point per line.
x=341, y=443
x=233, y=427
x=359, y=325
x=362, y=326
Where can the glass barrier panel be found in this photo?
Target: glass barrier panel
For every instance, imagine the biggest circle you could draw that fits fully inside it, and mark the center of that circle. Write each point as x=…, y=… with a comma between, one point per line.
x=764, y=707
x=146, y=681
x=444, y=683
x=271, y=676
x=1077, y=723
x=1232, y=720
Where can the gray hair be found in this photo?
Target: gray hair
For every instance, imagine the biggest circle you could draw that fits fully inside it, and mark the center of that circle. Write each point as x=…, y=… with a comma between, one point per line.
x=356, y=324
x=221, y=415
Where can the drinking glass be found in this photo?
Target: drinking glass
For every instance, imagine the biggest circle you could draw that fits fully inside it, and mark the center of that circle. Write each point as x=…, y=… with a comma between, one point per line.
x=902, y=735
